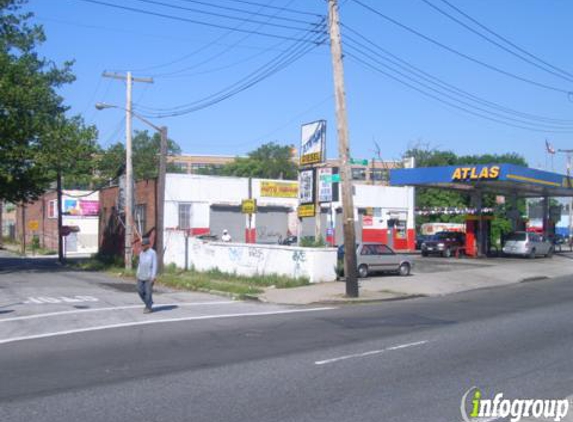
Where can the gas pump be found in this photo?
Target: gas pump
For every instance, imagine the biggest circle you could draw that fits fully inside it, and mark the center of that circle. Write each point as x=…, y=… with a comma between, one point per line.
x=478, y=239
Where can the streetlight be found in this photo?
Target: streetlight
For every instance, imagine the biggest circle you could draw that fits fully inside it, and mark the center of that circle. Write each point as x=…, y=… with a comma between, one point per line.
x=160, y=192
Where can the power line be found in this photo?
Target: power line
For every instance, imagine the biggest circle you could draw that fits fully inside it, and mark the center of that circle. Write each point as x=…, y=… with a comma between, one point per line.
x=222, y=15
x=296, y=51
x=300, y=12
x=520, y=56
x=499, y=119
x=193, y=21
x=506, y=40
x=445, y=85
x=213, y=57
x=204, y=47
x=249, y=81
x=459, y=53
x=235, y=9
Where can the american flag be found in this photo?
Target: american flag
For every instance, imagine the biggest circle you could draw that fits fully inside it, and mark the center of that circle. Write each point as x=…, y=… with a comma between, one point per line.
x=549, y=147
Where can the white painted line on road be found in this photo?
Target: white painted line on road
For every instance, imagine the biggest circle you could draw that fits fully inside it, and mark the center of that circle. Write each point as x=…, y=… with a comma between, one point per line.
x=114, y=308
x=370, y=353
x=159, y=321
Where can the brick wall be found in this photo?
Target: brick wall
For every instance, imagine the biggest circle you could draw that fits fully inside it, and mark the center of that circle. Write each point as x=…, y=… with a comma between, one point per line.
x=47, y=227
x=111, y=229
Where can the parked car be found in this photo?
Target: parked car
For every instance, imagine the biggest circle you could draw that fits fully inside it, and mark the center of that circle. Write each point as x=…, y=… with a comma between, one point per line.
x=444, y=243
x=421, y=238
x=288, y=240
x=374, y=257
x=527, y=244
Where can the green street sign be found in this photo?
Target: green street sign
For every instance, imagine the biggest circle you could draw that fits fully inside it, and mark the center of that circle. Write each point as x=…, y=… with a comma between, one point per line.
x=330, y=178
x=362, y=162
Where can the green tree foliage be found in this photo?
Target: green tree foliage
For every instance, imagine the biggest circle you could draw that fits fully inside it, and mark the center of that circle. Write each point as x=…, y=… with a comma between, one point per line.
x=35, y=135
x=269, y=161
x=145, y=157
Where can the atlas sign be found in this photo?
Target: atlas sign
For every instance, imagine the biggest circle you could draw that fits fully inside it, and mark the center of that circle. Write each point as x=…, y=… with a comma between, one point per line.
x=472, y=173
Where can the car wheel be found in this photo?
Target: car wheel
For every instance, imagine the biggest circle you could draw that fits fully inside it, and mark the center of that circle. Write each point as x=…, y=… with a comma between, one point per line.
x=531, y=254
x=424, y=253
x=404, y=269
x=447, y=253
x=363, y=271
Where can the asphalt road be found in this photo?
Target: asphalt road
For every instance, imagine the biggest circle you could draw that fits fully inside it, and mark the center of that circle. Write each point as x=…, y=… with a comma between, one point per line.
x=395, y=361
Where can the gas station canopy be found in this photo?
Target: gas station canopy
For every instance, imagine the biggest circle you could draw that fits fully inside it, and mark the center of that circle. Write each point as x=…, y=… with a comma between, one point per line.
x=500, y=179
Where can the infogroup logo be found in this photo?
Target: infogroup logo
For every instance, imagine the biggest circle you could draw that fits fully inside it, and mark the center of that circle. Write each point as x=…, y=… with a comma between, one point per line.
x=516, y=409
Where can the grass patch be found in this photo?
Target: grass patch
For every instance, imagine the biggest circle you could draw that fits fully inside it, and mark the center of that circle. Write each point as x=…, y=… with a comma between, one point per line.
x=214, y=280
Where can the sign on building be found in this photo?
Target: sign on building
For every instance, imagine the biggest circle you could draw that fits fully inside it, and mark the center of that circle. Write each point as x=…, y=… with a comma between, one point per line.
x=306, y=187
x=33, y=225
x=313, y=143
x=279, y=189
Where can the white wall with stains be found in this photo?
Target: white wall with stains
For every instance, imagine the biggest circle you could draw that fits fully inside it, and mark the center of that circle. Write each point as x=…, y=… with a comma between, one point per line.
x=318, y=265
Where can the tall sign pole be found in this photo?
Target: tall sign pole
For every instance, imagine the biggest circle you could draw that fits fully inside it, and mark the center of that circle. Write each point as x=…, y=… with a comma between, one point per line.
x=350, y=269
x=128, y=164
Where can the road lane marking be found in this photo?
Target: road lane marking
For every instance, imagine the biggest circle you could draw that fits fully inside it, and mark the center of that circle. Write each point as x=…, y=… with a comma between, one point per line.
x=114, y=308
x=159, y=321
x=370, y=353
x=59, y=299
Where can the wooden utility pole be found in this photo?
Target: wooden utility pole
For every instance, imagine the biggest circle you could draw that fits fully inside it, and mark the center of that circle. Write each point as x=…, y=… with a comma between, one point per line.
x=350, y=269
x=160, y=205
x=61, y=257
x=128, y=164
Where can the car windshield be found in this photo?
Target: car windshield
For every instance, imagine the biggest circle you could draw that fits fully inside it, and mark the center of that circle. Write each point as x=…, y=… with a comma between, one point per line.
x=440, y=236
x=516, y=237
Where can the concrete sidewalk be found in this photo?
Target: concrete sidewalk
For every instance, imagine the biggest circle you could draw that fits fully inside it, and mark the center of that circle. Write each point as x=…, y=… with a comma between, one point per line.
x=456, y=276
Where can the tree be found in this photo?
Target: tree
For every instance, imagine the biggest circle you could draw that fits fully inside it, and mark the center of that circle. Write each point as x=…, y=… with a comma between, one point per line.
x=29, y=105
x=145, y=158
x=269, y=161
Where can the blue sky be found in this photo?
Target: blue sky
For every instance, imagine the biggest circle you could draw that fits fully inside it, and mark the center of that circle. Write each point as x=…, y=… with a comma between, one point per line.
x=190, y=62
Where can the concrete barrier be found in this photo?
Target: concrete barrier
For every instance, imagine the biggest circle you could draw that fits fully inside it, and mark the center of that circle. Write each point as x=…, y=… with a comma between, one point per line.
x=316, y=264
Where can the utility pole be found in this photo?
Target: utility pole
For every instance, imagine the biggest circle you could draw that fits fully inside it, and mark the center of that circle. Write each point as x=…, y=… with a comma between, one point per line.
x=61, y=257
x=160, y=195
x=343, y=151
x=128, y=164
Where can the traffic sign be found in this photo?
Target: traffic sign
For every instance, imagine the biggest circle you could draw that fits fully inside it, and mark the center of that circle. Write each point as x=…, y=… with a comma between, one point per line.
x=249, y=206
x=334, y=178
x=355, y=161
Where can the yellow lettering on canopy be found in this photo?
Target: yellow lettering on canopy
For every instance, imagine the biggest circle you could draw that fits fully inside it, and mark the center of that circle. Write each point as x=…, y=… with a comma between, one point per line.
x=494, y=172
x=473, y=174
x=465, y=172
x=484, y=173
x=457, y=174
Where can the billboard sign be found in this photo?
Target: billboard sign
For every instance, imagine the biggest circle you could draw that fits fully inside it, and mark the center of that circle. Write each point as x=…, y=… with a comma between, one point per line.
x=306, y=187
x=313, y=143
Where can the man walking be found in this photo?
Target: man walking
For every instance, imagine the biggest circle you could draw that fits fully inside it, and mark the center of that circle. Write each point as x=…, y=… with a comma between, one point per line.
x=146, y=274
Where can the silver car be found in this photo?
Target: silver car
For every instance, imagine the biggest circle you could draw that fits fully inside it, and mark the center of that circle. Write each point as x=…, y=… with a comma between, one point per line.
x=527, y=244
x=373, y=257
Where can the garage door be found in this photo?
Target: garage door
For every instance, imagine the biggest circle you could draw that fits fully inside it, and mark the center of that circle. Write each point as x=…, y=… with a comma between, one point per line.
x=272, y=223
x=227, y=218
